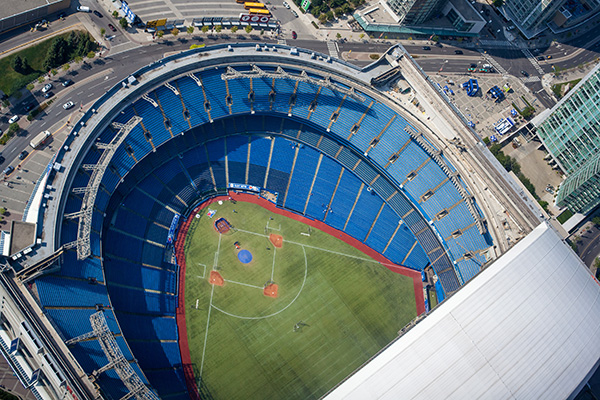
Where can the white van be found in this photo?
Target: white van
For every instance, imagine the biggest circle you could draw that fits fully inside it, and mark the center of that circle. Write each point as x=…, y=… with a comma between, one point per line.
x=40, y=139
x=83, y=9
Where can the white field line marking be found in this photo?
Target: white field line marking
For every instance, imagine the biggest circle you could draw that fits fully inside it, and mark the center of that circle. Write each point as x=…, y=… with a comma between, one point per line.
x=206, y=333
x=280, y=311
x=322, y=249
x=216, y=260
x=203, y=273
x=273, y=229
x=244, y=284
x=273, y=267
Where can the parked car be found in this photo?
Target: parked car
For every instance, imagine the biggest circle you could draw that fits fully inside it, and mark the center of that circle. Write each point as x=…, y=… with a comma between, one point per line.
x=112, y=27
x=97, y=14
x=426, y=48
x=294, y=13
x=294, y=35
x=8, y=170
x=458, y=52
x=286, y=5
x=524, y=73
x=68, y=105
x=67, y=82
x=23, y=154
x=13, y=119
x=46, y=87
x=549, y=57
x=540, y=58
x=62, y=15
x=48, y=95
x=29, y=107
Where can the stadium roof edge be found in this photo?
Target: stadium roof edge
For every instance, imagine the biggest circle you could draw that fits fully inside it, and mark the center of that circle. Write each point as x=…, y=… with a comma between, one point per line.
x=180, y=64
x=525, y=326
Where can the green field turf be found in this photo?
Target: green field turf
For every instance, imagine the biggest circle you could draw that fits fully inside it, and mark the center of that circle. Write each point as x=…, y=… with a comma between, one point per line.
x=243, y=343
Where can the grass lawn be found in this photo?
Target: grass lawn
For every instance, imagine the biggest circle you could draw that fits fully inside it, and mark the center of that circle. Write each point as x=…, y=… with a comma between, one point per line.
x=344, y=306
x=11, y=81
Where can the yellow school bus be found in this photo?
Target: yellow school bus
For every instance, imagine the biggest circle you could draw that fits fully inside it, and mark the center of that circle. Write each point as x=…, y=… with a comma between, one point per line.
x=248, y=5
x=259, y=11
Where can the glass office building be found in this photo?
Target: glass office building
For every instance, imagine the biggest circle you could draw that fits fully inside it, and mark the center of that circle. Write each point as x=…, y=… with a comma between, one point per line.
x=571, y=133
x=414, y=12
x=531, y=16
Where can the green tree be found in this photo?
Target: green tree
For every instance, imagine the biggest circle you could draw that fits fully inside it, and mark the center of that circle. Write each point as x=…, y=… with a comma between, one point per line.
x=596, y=221
x=91, y=54
x=57, y=53
x=322, y=18
x=66, y=67
x=338, y=36
x=102, y=31
x=2, y=210
x=160, y=34
x=329, y=15
x=248, y=29
x=234, y=29
x=338, y=11
x=53, y=72
x=190, y=29
x=115, y=14
x=30, y=87
x=123, y=22
x=17, y=64
x=78, y=59
x=262, y=31
x=362, y=35
x=205, y=29
x=175, y=32
x=218, y=28
x=13, y=128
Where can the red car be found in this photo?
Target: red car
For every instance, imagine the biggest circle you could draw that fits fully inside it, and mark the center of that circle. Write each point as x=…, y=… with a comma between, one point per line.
x=294, y=35
x=112, y=28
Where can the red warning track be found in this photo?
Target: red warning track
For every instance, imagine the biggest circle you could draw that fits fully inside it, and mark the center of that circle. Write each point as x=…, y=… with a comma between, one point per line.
x=248, y=198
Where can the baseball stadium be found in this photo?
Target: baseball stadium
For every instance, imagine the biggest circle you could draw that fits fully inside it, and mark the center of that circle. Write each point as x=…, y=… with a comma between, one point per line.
x=259, y=222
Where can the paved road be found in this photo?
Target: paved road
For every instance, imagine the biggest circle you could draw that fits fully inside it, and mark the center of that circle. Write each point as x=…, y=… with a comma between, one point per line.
x=86, y=88
x=589, y=248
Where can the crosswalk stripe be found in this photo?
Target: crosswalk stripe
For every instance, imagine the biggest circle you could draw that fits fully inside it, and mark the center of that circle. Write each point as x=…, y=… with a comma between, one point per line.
x=331, y=46
x=533, y=61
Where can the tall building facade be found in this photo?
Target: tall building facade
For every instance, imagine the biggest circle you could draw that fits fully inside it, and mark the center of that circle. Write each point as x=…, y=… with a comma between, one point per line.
x=414, y=12
x=531, y=16
x=571, y=133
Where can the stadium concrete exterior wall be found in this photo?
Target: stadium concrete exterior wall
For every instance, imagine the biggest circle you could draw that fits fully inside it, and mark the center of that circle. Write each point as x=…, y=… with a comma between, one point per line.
x=526, y=327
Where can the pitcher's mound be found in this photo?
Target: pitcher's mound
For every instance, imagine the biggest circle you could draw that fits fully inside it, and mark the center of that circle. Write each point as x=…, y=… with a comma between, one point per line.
x=277, y=240
x=270, y=290
x=216, y=278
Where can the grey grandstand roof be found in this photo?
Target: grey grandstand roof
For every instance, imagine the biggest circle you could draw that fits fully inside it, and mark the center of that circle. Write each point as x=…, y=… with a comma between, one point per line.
x=13, y=7
x=526, y=327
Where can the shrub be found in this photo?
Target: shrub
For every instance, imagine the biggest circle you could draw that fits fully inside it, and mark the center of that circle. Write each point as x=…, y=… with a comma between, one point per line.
x=190, y=29
x=91, y=54
x=204, y=29
x=374, y=56
x=124, y=24
x=175, y=32
x=30, y=87
x=234, y=29
x=115, y=14
x=248, y=29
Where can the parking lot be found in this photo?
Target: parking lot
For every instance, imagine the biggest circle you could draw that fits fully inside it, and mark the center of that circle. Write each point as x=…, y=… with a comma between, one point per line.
x=17, y=187
x=482, y=109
